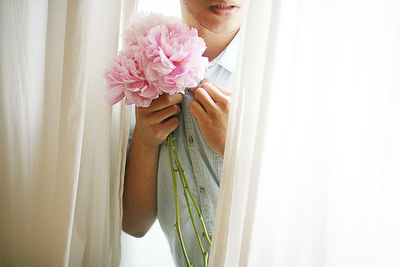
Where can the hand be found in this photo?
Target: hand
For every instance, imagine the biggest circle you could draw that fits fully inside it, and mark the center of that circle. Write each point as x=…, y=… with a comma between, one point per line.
x=211, y=109
x=154, y=123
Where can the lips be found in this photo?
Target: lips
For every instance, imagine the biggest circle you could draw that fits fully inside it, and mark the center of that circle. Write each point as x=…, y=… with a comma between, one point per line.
x=224, y=9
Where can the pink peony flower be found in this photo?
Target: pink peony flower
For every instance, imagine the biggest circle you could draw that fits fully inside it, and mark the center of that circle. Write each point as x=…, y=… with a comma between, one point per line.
x=125, y=78
x=139, y=24
x=173, y=58
x=162, y=55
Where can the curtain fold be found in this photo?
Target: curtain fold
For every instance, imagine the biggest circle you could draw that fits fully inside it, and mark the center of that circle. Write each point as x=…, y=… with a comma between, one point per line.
x=311, y=171
x=62, y=151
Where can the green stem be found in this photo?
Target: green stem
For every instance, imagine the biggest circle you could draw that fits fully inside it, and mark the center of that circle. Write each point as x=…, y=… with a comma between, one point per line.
x=177, y=225
x=205, y=258
x=186, y=186
x=192, y=219
x=190, y=213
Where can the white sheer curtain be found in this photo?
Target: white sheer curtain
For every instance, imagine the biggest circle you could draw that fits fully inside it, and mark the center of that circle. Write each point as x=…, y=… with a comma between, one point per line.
x=62, y=148
x=312, y=172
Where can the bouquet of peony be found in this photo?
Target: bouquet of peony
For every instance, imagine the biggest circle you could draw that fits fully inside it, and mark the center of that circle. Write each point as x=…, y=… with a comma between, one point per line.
x=161, y=56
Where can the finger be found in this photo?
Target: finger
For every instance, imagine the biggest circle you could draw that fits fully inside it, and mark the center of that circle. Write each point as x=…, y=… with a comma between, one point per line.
x=202, y=96
x=164, y=114
x=170, y=125
x=197, y=110
x=216, y=94
x=161, y=131
x=164, y=101
x=223, y=90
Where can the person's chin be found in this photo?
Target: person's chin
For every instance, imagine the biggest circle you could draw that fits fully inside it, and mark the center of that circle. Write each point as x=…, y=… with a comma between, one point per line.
x=224, y=28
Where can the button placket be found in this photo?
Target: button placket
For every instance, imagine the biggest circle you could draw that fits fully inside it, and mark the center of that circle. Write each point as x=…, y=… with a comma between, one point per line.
x=204, y=201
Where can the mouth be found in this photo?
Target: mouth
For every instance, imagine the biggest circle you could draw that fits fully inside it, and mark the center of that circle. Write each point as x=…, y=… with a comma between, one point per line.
x=224, y=9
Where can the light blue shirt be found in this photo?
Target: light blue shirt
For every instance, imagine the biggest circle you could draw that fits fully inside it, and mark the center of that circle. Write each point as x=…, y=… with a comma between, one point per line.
x=202, y=168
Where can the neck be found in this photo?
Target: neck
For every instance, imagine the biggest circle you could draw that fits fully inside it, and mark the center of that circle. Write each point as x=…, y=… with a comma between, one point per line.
x=216, y=42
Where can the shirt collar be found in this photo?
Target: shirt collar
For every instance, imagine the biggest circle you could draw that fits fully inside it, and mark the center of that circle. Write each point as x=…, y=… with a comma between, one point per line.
x=227, y=58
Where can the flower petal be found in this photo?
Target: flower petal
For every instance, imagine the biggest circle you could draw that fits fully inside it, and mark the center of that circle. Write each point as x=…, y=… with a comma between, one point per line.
x=115, y=94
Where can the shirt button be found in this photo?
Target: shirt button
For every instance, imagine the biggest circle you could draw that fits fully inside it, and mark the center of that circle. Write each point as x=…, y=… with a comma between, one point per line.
x=202, y=190
x=190, y=139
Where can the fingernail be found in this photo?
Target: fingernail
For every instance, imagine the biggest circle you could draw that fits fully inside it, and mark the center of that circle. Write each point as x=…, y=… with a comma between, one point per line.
x=207, y=83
